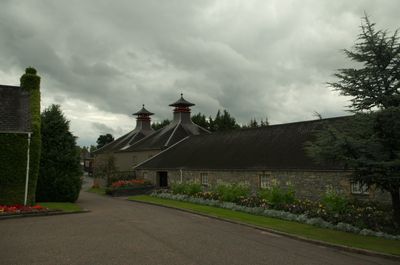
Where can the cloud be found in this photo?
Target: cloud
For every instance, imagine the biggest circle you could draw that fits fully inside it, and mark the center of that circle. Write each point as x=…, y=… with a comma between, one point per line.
x=102, y=61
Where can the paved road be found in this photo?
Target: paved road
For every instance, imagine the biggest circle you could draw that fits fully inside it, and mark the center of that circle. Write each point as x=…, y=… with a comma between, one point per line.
x=122, y=232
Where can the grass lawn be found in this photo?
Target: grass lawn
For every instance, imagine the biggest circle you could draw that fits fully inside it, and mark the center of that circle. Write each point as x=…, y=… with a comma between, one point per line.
x=100, y=191
x=63, y=206
x=308, y=231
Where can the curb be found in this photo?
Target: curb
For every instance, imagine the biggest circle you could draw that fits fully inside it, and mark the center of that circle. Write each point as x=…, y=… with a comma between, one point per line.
x=296, y=237
x=39, y=214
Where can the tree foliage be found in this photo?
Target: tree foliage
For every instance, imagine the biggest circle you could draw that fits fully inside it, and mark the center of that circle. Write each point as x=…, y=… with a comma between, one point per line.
x=201, y=120
x=376, y=83
x=104, y=139
x=59, y=178
x=158, y=125
x=223, y=122
x=369, y=142
x=254, y=124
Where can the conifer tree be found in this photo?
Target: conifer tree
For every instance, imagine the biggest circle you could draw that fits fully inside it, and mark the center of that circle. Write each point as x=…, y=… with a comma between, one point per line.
x=60, y=172
x=370, y=145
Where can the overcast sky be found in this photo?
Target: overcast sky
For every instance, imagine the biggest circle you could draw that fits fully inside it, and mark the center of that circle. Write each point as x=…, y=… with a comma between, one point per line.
x=101, y=60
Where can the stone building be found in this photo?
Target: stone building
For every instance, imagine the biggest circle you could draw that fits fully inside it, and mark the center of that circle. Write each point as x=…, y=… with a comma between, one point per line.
x=143, y=142
x=258, y=156
x=20, y=139
x=106, y=153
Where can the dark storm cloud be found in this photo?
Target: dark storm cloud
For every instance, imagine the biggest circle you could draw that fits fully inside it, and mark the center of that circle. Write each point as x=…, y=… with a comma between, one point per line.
x=101, y=59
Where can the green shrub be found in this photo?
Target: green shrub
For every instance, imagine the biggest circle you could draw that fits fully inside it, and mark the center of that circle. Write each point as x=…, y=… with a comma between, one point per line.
x=231, y=192
x=276, y=196
x=192, y=188
x=188, y=188
x=334, y=202
x=178, y=188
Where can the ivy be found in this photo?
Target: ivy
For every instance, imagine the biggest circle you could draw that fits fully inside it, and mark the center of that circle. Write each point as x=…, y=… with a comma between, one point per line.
x=13, y=152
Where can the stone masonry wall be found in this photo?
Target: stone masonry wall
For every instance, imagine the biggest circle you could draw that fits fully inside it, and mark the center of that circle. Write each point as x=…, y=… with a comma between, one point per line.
x=126, y=161
x=307, y=184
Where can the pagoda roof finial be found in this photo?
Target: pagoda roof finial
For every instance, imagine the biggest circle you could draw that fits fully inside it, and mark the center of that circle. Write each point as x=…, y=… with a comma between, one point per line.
x=182, y=103
x=143, y=111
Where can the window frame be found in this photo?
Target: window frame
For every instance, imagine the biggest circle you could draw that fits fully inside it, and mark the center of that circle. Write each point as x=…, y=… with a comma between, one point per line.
x=204, y=176
x=263, y=181
x=357, y=188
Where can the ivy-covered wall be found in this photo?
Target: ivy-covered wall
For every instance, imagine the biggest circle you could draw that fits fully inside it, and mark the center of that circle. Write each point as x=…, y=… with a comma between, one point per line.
x=13, y=151
x=13, y=168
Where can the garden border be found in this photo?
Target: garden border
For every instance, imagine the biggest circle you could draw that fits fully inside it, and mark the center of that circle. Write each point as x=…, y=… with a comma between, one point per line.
x=300, y=238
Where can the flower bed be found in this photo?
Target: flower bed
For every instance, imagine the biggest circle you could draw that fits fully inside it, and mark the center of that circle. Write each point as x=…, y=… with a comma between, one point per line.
x=334, y=208
x=20, y=209
x=129, y=187
x=301, y=218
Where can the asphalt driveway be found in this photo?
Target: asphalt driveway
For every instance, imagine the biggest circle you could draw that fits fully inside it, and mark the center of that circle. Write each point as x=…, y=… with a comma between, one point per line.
x=122, y=232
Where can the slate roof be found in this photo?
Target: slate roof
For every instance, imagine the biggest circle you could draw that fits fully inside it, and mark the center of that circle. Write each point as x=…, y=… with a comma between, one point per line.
x=276, y=147
x=14, y=109
x=142, y=129
x=125, y=140
x=167, y=136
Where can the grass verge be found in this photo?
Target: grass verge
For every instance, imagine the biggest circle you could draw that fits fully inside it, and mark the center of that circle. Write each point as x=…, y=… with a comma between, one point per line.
x=307, y=231
x=63, y=206
x=100, y=191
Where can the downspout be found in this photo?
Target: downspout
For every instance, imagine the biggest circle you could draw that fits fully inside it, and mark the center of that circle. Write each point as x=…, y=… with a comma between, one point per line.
x=27, y=169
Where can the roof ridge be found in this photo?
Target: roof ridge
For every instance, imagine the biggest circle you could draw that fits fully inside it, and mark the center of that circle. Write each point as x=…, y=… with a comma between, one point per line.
x=275, y=125
x=173, y=132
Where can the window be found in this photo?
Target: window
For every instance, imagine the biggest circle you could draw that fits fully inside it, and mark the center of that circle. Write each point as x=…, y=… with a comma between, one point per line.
x=358, y=188
x=204, y=179
x=263, y=181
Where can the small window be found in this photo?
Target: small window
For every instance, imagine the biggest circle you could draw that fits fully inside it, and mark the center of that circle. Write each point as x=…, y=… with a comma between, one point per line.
x=204, y=179
x=358, y=188
x=264, y=181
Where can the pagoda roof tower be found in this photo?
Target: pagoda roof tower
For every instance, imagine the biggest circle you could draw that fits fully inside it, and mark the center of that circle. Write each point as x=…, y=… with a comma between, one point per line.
x=180, y=127
x=142, y=129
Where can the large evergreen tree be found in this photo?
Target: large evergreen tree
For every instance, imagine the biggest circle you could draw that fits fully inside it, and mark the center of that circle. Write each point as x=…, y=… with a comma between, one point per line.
x=59, y=177
x=371, y=144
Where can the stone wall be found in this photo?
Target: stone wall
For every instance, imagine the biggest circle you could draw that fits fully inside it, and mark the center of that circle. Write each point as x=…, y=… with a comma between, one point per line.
x=126, y=161
x=123, y=162
x=307, y=184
